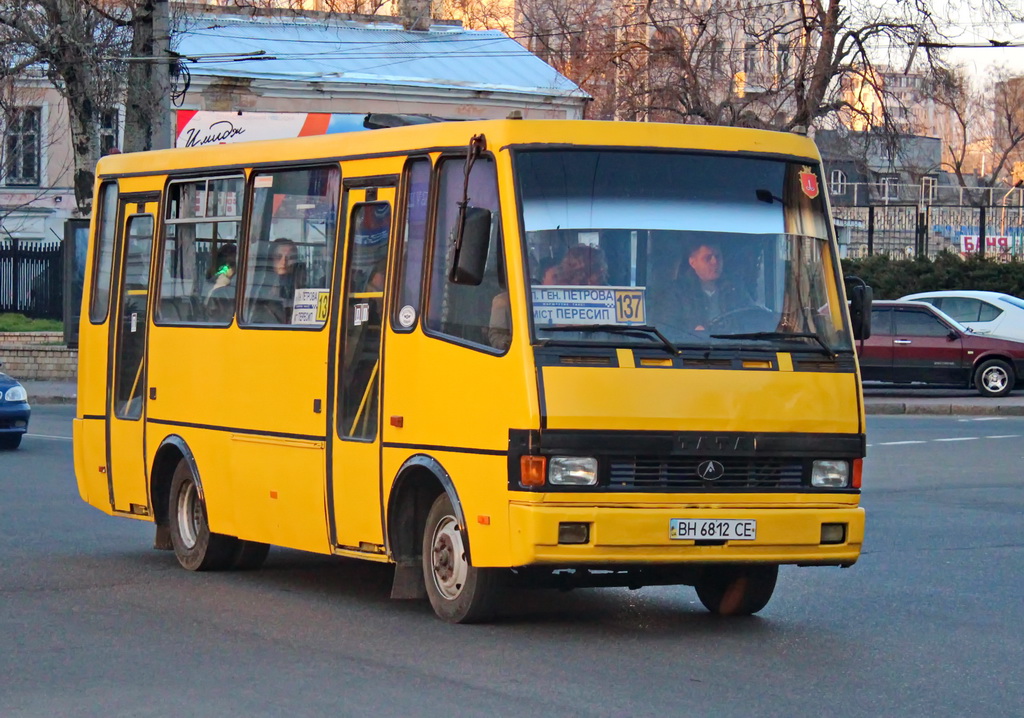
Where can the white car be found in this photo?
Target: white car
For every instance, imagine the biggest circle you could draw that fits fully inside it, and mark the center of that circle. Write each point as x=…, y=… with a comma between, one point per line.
x=992, y=313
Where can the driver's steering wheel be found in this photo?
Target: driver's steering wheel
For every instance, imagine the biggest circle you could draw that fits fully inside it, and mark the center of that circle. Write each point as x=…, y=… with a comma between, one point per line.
x=752, y=318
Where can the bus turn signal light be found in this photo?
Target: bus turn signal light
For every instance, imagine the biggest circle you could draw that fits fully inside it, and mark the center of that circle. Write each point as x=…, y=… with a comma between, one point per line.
x=858, y=467
x=533, y=470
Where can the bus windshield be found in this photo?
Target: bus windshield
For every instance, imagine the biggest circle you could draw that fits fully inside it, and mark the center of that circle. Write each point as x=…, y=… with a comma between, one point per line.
x=707, y=249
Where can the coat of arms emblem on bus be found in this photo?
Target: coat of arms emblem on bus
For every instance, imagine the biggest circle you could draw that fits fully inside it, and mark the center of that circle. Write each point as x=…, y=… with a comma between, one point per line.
x=809, y=182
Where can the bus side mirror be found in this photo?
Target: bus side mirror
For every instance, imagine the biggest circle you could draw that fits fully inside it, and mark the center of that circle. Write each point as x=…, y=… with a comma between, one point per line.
x=472, y=240
x=861, y=296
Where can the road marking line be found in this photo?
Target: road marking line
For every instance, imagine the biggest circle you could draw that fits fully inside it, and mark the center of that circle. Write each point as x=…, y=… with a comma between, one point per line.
x=47, y=436
x=900, y=443
x=958, y=438
x=984, y=418
x=1004, y=436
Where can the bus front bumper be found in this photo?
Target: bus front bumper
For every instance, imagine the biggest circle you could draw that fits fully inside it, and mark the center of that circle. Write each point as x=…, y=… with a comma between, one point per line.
x=634, y=535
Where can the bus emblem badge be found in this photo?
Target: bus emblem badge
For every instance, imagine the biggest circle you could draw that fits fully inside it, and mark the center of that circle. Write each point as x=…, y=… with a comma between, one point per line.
x=710, y=470
x=809, y=183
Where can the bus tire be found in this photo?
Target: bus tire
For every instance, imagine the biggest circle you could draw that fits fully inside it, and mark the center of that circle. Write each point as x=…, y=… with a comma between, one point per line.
x=994, y=378
x=737, y=590
x=195, y=546
x=249, y=555
x=458, y=591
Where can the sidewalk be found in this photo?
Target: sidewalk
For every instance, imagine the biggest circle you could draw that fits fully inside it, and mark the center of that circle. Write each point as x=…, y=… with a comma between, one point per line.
x=50, y=392
x=878, y=399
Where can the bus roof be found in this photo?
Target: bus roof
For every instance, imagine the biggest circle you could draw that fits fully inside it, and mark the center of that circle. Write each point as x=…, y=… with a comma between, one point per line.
x=448, y=135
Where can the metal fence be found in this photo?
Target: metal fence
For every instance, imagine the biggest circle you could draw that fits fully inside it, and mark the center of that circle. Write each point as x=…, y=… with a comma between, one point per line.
x=911, y=230
x=31, y=277
x=928, y=191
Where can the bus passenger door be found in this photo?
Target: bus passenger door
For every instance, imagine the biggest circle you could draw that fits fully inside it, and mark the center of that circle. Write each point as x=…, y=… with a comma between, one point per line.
x=354, y=483
x=126, y=387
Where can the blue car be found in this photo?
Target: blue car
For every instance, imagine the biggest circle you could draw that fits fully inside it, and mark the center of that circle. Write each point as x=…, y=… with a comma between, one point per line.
x=14, y=412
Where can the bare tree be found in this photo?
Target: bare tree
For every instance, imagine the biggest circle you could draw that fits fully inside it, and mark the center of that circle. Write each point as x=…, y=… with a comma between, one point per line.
x=782, y=64
x=987, y=134
x=72, y=42
x=580, y=39
x=340, y=7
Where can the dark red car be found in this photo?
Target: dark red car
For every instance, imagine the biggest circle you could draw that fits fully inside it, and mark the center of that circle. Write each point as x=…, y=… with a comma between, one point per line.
x=915, y=342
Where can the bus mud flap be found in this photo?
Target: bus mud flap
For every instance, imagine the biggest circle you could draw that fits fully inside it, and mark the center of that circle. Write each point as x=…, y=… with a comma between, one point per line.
x=408, y=581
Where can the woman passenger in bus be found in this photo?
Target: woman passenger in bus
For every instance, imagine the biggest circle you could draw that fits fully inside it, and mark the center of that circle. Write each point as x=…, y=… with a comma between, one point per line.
x=581, y=265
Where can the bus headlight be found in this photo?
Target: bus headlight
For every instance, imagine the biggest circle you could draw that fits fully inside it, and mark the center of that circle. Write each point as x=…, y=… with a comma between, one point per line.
x=572, y=471
x=828, y=474
x=16, y=393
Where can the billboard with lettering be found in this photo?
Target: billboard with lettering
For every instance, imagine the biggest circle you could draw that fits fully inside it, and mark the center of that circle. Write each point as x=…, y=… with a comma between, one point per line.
x=197, y=128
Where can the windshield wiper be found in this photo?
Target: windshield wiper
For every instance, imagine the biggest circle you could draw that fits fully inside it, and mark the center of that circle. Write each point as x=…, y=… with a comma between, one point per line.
x=644, y=330
x=780, y=335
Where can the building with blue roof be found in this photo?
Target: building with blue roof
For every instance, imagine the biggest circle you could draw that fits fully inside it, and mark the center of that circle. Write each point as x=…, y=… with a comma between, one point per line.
x=237, y=61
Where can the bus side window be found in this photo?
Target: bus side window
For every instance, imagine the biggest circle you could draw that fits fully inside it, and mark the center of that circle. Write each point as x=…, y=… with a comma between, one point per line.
x=202, y=223
x=291, y=243
x=104, y=252
x=464, y=311
x=414, y=233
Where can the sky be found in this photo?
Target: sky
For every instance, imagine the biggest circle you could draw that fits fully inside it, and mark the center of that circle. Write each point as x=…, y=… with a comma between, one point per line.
x=980, y=60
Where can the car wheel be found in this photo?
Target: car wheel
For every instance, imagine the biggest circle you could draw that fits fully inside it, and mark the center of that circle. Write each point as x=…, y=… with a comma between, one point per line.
x=994, y=378
x=737, y=591
x=195, y=546
x=9, y=442
x=458, y=591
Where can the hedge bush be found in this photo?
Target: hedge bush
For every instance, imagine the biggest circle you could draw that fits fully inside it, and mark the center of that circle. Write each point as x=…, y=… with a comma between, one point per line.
x=893, y=278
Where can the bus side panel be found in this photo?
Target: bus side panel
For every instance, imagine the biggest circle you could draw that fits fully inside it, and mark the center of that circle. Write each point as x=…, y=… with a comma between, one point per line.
x=482, y=496
x=283, y=500
x=277, y=383
x=90, y=457
x=256, y=437
x=462, y=399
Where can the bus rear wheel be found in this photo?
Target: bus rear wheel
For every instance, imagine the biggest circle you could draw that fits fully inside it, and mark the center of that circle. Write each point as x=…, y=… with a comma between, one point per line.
x=458, y=591
x=737, y=590
x=195, y=546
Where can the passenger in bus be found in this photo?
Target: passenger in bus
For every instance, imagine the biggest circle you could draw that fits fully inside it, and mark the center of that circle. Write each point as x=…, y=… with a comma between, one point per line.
x=287, y=275
x=220, y=298
x=700, y=294
x=581, y=265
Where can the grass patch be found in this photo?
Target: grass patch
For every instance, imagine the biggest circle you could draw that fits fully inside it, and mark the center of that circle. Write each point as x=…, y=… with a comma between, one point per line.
x=10, y=322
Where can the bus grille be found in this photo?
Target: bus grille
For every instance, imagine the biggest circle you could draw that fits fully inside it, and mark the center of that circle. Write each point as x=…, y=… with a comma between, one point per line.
x=637, y=472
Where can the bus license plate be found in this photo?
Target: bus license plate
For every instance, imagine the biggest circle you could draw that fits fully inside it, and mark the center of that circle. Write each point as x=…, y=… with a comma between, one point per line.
x=713, y=529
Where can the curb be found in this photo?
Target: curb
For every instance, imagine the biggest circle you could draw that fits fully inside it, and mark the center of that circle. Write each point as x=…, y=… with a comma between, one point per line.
x=899, y=407
x=50, y=400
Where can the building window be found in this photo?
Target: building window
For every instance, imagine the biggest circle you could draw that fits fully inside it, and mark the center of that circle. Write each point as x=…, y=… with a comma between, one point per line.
x=717, y=54
x=928, y=185
x=888, y=187
x=108, y=131
x=837, y=182
x=749, y=57
x=22, y=147
x=782, y=68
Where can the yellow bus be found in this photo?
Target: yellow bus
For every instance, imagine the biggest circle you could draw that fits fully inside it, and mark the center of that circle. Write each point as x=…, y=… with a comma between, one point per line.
x=511, y=352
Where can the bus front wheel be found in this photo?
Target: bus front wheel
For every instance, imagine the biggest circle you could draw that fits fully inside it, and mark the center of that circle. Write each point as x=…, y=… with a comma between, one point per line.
x=737, y=591
x=195, y=546
x=458, y=591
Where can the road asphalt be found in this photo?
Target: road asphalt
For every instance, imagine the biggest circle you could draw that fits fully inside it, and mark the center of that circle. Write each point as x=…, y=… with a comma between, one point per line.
x=878, y=399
